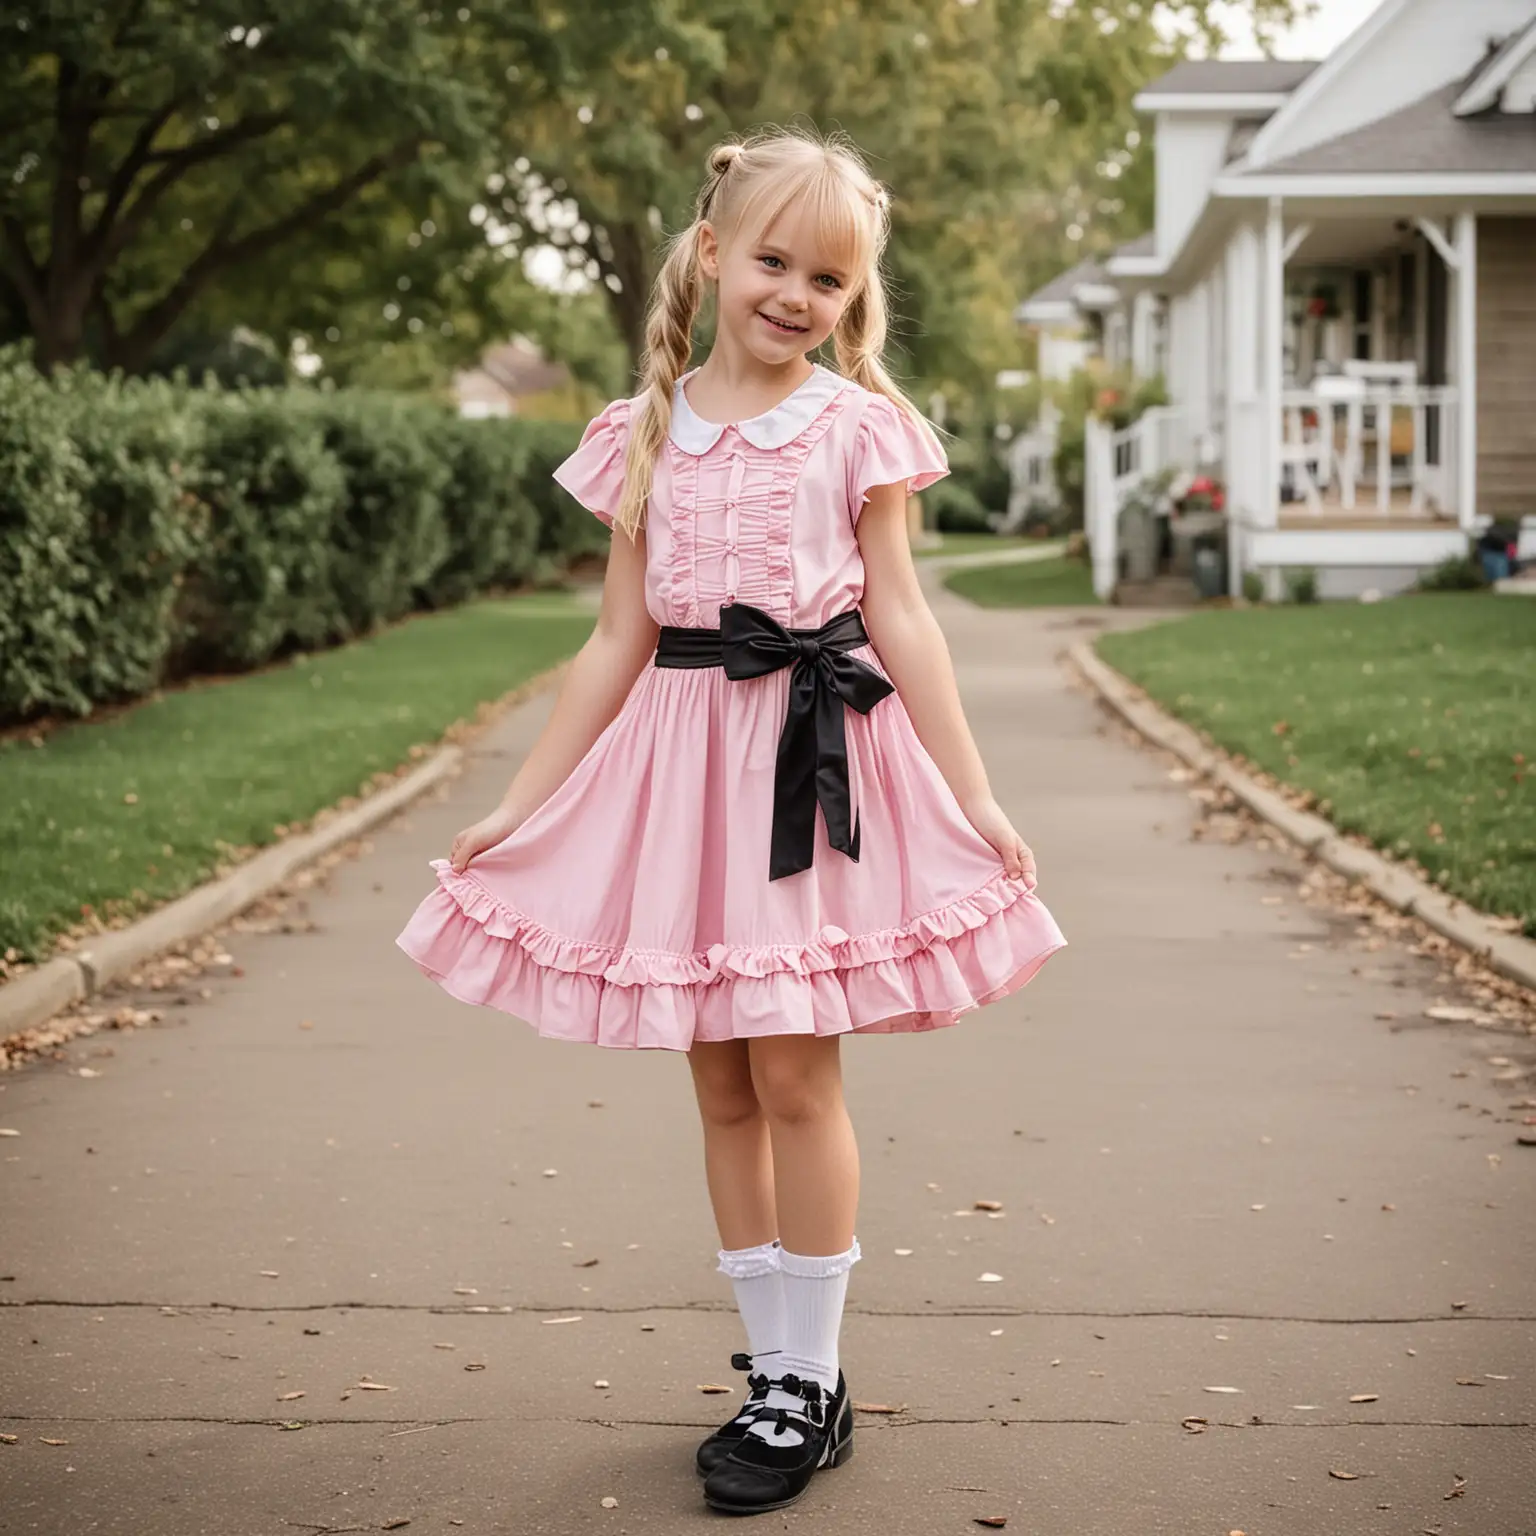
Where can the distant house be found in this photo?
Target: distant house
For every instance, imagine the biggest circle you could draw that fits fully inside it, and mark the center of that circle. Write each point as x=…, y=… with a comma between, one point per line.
x=1343, y=271
x=510, y=378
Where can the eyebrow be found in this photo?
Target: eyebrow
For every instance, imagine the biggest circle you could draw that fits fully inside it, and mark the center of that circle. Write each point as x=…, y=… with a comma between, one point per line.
x=778, y=250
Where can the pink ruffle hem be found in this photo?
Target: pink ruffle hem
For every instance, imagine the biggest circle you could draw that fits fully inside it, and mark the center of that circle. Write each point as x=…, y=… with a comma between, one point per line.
x=922, y=976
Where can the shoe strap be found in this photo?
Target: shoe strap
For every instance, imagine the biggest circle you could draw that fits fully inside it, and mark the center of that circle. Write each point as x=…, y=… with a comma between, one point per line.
x=809, y=1391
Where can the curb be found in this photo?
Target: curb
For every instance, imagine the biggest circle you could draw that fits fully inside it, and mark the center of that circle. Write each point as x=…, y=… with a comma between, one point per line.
x=1508, y=953
x=34, y=998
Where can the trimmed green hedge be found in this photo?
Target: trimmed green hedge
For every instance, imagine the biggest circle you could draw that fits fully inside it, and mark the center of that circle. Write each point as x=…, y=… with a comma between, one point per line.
x=149, y=530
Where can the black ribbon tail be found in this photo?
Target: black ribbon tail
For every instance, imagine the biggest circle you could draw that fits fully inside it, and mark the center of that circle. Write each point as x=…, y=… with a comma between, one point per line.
x=796, y=779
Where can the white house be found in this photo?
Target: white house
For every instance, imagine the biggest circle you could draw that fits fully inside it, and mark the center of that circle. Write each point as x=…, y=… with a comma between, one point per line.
x=1341, y=287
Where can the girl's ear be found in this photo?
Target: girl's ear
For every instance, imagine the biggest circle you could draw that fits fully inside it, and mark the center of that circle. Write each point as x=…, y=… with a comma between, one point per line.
x=709, y=252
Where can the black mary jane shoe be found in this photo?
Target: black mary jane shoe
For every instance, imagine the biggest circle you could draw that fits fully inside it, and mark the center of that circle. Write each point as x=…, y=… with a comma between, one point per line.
x=760, y=1475
x=714, y=1448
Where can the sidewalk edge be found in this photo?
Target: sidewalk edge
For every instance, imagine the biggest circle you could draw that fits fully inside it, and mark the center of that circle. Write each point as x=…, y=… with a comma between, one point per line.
x=35, y=998
x=1509, y=954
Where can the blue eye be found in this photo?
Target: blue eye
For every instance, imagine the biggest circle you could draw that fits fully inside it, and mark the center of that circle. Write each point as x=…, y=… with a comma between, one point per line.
x=832, y=280
x=769, y=258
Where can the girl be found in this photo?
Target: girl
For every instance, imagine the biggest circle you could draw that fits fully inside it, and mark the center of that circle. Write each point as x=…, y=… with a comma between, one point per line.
x=657, y=876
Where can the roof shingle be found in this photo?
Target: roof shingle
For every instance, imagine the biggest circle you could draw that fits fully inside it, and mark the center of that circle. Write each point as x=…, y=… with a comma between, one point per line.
x=1423, y=136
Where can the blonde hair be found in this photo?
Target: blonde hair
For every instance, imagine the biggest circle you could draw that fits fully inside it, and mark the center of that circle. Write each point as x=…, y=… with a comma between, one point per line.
x=749, y=185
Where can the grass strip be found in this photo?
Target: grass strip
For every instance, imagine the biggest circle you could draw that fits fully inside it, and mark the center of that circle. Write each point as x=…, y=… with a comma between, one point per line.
x=1054, y=583
x=1411, y=722
x=113, y=816
x=973, y=544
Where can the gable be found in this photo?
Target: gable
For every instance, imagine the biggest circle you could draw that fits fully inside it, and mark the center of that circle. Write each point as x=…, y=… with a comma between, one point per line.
x=1406, y=50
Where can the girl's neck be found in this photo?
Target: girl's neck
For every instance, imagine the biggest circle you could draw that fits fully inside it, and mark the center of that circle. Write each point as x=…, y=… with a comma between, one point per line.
x=731, y=384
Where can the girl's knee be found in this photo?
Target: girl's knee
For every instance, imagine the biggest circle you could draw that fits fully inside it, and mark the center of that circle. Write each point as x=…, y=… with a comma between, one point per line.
x=722, y=1080
x=796, y=1078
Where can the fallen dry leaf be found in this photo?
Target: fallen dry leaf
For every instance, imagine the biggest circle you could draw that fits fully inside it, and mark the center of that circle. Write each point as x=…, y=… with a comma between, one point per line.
x=1345, y=1477
x=995, y=1521
x=989, y=1276
x=987, y=1205
x=474, y=1365
x=547, y=1321
x=1195, y=1424
x=288, y=1397
x=372, y=1386
x=878, y=1408
x=1366, y=1397
x=609, y=1502
x=710, y=1386
x=1223, y=1389
x=1459, y=1491
x=47, y=1441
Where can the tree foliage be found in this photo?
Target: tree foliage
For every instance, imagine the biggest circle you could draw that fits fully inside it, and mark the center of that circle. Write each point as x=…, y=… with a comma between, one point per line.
x=369, y=175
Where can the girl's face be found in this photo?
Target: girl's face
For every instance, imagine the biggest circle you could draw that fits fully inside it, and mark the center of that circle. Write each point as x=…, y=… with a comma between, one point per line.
x=781, y=295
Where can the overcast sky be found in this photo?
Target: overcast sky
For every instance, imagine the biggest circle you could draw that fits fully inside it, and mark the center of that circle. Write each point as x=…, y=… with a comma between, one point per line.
x=1314, y=38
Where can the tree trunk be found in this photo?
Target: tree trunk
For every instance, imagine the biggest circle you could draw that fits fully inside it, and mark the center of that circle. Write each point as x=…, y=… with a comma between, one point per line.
x=630, y=265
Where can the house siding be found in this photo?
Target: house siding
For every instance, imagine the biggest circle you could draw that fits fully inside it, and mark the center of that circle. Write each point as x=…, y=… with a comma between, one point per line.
x=1506, y=365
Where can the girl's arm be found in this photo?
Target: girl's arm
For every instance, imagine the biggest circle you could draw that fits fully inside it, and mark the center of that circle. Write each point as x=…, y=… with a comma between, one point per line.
x=913, y=651
x=594, y=689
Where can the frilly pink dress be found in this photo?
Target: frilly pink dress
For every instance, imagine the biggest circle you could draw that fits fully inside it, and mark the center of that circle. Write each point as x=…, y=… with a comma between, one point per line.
x=633, y=908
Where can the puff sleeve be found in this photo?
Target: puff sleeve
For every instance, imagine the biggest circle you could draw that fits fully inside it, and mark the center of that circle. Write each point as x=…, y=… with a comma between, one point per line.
x=594, y=473
x=889, y=447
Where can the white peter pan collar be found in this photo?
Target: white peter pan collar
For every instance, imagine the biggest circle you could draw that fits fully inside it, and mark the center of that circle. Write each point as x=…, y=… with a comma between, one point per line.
x=772, y=429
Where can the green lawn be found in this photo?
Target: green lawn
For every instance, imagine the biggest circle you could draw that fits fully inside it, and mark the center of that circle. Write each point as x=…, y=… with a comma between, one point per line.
x=973, y=543
x=1025, y=584
x=123, y=813
x=1412, y=721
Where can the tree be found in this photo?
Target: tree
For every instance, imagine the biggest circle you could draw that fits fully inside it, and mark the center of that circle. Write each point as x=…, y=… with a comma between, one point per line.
x=153, y=151
x=990, y=119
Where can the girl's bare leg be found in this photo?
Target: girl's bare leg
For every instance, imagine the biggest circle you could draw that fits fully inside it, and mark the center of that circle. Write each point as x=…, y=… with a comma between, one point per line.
x=798, y=1081
x=738, y=1160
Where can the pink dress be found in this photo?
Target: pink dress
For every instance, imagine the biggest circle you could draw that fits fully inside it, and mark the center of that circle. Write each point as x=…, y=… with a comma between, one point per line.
x=634, y=908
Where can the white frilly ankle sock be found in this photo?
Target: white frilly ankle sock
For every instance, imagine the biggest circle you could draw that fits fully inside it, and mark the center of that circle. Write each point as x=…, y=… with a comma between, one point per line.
x=815, y=1286
x=754, y=1275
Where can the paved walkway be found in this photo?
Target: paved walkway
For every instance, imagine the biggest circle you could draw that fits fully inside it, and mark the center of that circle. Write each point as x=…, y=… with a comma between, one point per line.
x=1220, y=1167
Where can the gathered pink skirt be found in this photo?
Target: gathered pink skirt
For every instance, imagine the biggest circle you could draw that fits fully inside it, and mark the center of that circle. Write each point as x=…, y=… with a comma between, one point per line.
x=633, y=908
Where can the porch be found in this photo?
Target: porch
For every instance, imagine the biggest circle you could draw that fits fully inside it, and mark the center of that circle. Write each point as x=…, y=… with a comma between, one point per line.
x=1323, y=367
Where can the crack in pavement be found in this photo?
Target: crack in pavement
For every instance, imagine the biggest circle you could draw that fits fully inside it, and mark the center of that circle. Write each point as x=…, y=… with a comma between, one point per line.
x=881, y=1421
x=507, y=1310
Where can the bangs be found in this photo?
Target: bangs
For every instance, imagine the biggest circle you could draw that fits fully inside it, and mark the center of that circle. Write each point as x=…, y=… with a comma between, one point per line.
x=843, y=222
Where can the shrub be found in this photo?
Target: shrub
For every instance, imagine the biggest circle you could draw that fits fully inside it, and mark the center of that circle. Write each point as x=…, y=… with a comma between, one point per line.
x=262, y=583
x=148, y=529
x=954, y=509
x=1253, y=586
x=1301, y=584
x=1461, y=573
x=389, y=537
x=492, y=524
x=45, y=597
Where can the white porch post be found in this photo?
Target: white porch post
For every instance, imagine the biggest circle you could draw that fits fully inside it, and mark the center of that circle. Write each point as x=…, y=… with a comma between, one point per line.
x=1272, y=379
x=1466, y=367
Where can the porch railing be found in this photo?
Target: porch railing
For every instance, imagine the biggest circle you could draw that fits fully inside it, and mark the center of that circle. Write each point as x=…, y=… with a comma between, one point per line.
x=1115, y=463
x=1370, y=447
x=1031, y=474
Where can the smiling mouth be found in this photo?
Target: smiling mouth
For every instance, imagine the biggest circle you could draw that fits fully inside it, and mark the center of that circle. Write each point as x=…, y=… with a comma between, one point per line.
x=788, y=327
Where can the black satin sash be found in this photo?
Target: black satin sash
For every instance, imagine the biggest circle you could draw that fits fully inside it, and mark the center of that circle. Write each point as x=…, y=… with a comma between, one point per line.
x=812, y=766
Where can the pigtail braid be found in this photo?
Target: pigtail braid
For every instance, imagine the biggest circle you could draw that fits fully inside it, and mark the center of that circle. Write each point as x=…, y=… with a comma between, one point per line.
x=669, y=321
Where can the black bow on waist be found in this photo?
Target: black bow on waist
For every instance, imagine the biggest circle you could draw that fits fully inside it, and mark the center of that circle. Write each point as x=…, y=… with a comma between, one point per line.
x=812, y=765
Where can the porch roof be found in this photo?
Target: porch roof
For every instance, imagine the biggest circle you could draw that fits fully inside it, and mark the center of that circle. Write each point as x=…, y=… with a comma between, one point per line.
x=1425, y=136
x=1201, y=84
x=1055, y=300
